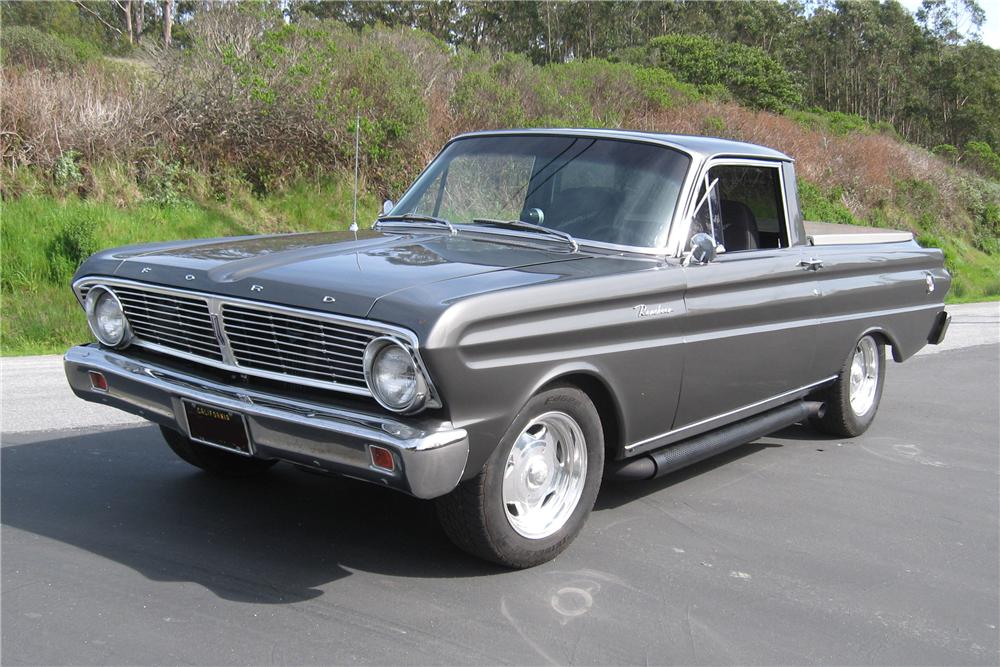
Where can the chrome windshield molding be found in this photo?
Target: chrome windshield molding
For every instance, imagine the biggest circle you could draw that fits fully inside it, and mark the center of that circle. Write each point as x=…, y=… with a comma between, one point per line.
x=216, y=303
x=711, y=422
x=381, y=225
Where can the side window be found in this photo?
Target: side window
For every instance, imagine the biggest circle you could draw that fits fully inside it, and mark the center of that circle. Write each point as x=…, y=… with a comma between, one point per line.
x=751, y=206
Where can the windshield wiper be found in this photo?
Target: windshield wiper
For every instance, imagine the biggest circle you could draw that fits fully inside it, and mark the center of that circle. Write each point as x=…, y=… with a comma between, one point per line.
x=531, y=227
x=418, y=217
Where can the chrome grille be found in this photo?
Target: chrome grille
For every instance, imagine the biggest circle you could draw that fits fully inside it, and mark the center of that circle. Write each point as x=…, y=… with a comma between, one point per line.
x=296, y=345
x=175, y=322
x=263, y=340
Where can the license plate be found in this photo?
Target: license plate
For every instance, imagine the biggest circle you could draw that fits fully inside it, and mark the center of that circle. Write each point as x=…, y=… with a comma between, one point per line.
x=217, y=427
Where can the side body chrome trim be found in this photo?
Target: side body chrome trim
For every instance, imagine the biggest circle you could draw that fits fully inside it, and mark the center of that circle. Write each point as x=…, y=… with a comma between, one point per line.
x=215, y=304
x=722, y=419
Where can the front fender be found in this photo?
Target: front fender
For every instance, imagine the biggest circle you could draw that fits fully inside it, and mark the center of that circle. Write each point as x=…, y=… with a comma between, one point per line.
x=490, y=353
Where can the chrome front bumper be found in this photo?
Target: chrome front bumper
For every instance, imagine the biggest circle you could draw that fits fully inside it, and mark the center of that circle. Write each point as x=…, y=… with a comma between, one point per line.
x=430, y=456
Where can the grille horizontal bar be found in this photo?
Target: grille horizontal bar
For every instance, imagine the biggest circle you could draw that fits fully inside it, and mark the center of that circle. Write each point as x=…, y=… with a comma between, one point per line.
x=175, y=322
x=296, y=345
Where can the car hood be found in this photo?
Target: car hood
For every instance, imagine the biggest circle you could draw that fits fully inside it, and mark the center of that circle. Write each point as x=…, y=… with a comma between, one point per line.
x=335, y=272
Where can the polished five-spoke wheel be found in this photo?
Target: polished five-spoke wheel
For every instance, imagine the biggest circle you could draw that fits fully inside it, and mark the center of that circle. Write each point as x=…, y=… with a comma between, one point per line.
x=852, y=400
x=534, y=494
x=864, y=375
x=544, y=476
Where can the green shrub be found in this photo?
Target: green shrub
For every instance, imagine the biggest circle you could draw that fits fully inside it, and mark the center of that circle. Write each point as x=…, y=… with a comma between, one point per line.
x=981, y=198
x=66, y=170
x=163, y=183
x=947, y=152
x=921, y=200
x=819, y=206
x=662, y=88
x=981, y=157
x=753, y=78
x=831, y=122
x=75, y=242
x=30, y=47
x=713, y=125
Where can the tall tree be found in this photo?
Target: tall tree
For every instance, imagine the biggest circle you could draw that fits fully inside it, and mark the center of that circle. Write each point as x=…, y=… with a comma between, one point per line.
x=168, y=21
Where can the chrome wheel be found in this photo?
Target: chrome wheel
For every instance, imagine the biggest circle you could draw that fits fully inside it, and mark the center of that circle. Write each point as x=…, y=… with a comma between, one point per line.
x=864, y=375
x=544, y=475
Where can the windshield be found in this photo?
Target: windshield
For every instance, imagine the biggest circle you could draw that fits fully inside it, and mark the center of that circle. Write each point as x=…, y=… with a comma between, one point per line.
x=603, y=190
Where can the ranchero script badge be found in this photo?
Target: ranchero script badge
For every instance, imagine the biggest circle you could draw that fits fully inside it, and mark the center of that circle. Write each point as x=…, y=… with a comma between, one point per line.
x=642, y=310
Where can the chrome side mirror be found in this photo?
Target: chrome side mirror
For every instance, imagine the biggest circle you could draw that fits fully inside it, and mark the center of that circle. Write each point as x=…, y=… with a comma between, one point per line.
x=703, y=250
x=387, y=206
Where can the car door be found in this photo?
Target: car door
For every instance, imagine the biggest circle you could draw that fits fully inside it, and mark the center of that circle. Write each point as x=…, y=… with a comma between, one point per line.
x=750, y=313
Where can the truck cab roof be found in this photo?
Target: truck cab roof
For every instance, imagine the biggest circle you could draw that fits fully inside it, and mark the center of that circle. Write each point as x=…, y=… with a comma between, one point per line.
x=696, y=146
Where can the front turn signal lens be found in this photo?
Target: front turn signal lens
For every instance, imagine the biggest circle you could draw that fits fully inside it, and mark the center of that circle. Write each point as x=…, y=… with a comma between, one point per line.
x=382, y=458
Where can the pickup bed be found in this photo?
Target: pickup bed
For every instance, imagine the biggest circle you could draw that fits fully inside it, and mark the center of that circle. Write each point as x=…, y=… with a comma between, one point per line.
x=828, y=233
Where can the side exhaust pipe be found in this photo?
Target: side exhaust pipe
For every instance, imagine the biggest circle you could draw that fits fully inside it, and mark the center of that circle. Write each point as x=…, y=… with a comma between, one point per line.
x=687, y=452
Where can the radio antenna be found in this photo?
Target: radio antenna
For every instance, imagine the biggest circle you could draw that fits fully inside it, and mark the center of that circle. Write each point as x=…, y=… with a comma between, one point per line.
x=357, y=151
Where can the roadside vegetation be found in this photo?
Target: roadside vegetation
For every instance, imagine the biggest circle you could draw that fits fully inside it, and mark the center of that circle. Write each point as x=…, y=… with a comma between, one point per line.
x=245, y=124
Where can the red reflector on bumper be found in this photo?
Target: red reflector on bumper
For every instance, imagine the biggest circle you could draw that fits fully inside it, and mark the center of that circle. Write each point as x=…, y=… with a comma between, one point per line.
x=98, y=381
x=382, y=458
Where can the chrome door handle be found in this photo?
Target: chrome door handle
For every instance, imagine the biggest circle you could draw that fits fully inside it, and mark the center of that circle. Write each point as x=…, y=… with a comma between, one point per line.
x=811, y=264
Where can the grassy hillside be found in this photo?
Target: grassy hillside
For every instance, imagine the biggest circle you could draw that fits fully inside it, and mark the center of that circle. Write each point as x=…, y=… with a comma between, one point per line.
x=239, y=134
x=44, y=238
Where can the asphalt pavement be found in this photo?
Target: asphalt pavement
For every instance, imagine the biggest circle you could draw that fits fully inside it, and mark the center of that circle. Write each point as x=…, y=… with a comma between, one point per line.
x=796, y=549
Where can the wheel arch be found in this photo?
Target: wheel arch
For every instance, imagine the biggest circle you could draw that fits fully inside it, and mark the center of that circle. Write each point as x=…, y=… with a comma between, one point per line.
x=887, y=338
x=604, y=400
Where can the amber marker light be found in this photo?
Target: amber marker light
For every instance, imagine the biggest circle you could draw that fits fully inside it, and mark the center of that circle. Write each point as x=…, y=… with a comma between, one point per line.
x=98, y=381
x=381, y=458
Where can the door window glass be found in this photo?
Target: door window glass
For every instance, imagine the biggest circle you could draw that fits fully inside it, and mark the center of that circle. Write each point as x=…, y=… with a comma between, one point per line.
x=752, y=209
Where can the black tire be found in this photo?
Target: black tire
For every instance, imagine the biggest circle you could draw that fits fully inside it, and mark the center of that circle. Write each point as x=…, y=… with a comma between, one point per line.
x=474, y=516
x=841, y=419
x=216, y=461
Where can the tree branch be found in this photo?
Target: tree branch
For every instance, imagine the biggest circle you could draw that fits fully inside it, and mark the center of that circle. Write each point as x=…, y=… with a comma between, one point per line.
x=79, y=3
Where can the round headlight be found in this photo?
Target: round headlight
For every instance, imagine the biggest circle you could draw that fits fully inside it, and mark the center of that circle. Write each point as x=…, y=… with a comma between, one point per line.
x=106, y=317
x=393, y=376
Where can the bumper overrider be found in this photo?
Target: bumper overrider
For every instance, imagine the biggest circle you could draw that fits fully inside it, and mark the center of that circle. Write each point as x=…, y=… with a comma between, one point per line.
x=429, y=456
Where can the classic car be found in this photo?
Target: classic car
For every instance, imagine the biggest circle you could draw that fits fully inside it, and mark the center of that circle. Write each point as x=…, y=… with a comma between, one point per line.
x=541, y=310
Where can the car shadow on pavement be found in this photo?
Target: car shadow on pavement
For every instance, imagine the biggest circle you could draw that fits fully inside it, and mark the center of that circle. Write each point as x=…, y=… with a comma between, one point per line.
x=121, y=494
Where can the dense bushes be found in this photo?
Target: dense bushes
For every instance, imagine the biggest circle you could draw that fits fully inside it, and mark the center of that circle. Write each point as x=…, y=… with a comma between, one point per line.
x=753, y=78
x=30, y=47
x=288, y=100
x=513, y=92
x=253, y=104
x=981, y=157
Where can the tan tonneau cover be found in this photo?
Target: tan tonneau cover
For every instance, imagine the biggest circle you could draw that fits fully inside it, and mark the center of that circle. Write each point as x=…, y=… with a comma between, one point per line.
x=828, y=233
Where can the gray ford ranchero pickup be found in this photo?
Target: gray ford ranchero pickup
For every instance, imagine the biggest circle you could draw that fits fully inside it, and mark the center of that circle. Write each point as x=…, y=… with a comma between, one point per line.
x=542, y=309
